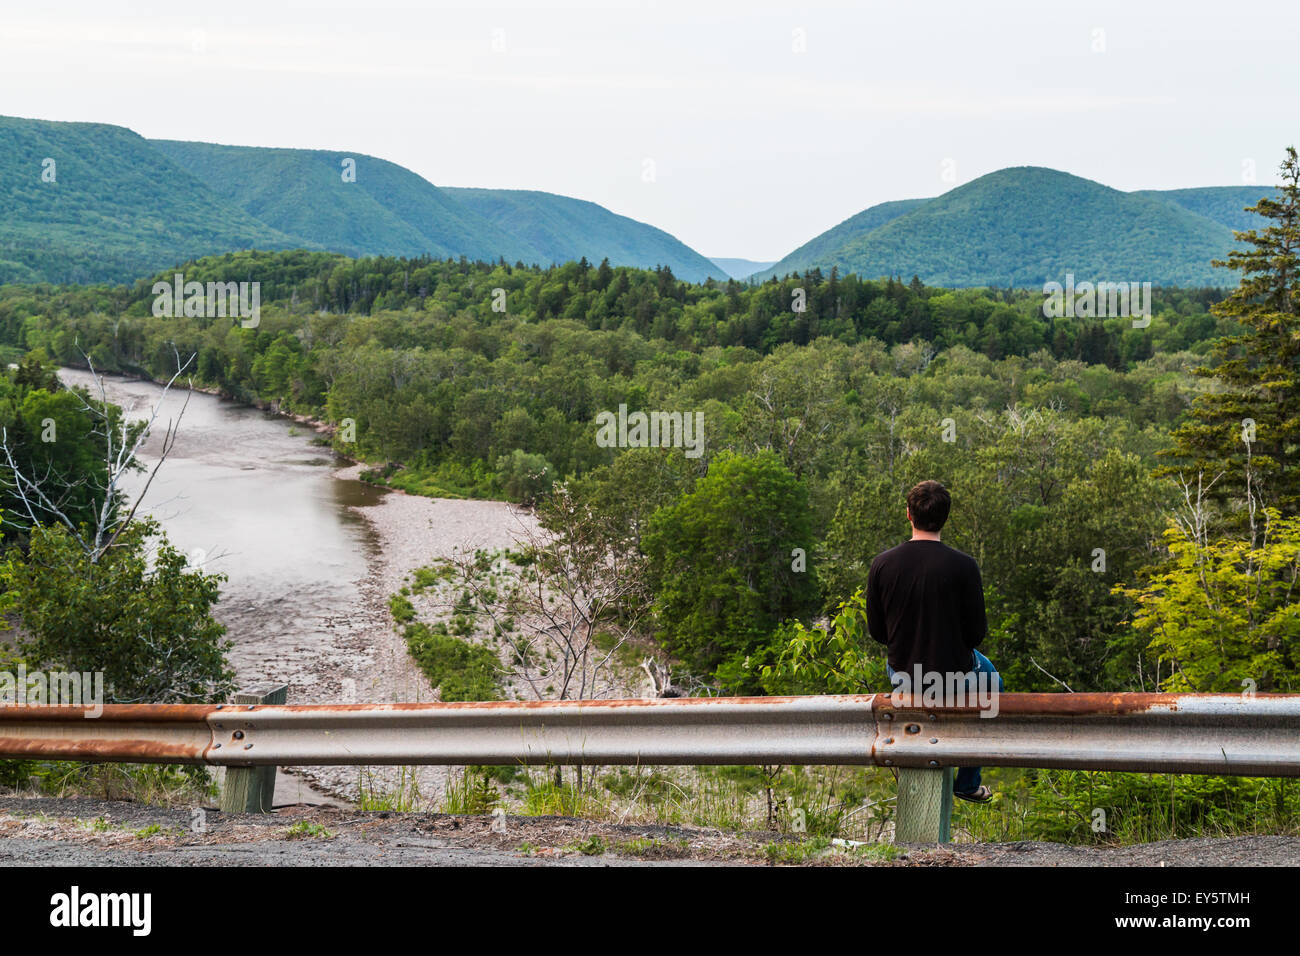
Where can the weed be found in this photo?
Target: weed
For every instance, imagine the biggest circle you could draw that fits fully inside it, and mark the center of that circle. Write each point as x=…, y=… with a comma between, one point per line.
x=592, y=846
x=402, y=798
x=649, y=848
x=474, y=793
x=306, y=830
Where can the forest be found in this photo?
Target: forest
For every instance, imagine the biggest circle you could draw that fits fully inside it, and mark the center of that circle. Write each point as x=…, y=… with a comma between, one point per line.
x=1045, y=430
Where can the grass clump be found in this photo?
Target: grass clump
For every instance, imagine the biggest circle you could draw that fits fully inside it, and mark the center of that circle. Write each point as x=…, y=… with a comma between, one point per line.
x=403, y=797
x=306, y=830
x=474, y=793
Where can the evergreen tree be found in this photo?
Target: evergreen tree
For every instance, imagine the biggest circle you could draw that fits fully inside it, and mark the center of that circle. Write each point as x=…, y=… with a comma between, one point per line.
x=1249, y=426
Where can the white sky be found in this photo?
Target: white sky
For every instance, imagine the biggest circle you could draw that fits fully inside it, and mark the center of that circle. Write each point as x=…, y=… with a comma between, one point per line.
x=756, y=148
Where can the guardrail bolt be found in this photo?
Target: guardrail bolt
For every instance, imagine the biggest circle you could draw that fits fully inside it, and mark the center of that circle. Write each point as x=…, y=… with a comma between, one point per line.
x=238, y=735
x=934, y=740
x=913, y=728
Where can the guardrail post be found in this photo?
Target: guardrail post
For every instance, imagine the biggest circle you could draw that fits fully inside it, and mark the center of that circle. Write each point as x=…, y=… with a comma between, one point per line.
x=252, y=789
x=924, y=809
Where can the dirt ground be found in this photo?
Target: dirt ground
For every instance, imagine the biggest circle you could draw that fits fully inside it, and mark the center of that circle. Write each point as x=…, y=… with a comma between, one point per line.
x=49, y=831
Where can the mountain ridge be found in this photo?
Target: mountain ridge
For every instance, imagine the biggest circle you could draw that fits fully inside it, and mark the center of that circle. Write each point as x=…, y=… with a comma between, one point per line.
x=975, y=235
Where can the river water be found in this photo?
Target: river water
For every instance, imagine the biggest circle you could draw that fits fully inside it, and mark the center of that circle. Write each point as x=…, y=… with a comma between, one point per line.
x=245, y=493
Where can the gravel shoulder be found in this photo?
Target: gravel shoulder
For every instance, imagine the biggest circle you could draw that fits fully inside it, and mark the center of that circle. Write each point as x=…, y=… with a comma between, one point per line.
x=49, y=831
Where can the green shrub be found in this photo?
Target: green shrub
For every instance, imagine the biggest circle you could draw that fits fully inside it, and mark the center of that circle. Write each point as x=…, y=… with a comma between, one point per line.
x=458, y=669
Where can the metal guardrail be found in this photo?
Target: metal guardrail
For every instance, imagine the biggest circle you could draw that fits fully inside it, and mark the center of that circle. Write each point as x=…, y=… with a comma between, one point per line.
x=1170, y=733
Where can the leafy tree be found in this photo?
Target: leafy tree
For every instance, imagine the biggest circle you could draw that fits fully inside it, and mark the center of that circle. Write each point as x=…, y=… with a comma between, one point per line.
x=524, y=476
x=1223, y=614
x=142, y=618
x=720, y=561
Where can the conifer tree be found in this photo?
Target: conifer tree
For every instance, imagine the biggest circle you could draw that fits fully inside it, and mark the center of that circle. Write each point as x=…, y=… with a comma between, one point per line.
x=1248, y=426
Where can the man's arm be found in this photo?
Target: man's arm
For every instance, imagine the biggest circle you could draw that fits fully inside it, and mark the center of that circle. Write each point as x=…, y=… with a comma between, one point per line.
x=977, y=623
x=875, y=610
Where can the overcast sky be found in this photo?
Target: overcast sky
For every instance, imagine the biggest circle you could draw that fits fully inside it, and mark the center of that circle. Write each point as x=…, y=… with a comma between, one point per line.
x=742, y=128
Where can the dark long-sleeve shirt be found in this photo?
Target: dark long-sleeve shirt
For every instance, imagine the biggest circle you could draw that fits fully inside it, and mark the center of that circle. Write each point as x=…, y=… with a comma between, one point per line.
x=925, y=602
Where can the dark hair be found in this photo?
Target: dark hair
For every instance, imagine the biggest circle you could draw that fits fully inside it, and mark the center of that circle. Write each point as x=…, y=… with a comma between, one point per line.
x=929, y=503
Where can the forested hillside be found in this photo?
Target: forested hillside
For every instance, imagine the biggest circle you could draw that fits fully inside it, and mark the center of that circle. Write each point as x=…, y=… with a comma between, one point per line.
x=88, y=202
x=823, y=247
x=385, y=208
x=1226, y=205
x=561, y=229
x=1028, y=225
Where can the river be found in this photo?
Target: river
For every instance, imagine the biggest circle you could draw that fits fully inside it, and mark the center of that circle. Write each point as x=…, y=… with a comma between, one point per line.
x=245, y=493
x=310, y=552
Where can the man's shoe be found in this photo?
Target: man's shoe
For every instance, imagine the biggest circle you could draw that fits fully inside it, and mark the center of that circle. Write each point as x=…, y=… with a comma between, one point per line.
x=981, y=795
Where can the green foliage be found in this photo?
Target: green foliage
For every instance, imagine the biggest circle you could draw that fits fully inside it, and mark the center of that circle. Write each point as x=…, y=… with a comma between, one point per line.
x=841, y=659
x=1223, y=614
x=54, y=440
x=546, y=796
x=122, y=206
x=173, y=785
x=594, y=845
x=1055, y=424
x=307, y=830
x=401, y=608
x=1061, y=806
x=458, y=669
x=524, y=477
x=719, y=560
x=138, y=614
x=403, y=796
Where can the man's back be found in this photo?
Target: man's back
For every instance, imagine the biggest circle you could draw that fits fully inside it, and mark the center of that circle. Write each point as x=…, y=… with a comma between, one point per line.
x=925, y=601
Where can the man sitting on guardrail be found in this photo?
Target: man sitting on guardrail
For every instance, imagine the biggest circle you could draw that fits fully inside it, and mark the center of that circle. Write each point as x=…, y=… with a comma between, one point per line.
x=925, y=602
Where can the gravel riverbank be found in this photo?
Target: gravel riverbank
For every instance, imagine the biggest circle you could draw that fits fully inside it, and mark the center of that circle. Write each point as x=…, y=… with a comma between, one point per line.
x=367, y=662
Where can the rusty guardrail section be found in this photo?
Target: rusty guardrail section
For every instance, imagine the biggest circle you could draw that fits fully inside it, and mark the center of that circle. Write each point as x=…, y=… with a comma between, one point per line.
x=1184, y=733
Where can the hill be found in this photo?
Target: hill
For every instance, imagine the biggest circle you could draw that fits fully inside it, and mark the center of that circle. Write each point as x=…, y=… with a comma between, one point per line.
x=1226, y=205
x=1026, y=225
x=818, y=249
x=563, y=229
x=114, y=206
x=385, y=210
x=110, y=207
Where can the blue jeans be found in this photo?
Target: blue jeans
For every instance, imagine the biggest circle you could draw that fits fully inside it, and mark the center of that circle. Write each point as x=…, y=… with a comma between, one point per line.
x=968, y=778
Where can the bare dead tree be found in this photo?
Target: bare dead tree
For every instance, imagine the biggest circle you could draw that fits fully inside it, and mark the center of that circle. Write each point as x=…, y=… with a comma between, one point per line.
x=577, y=583
x=44, y=503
